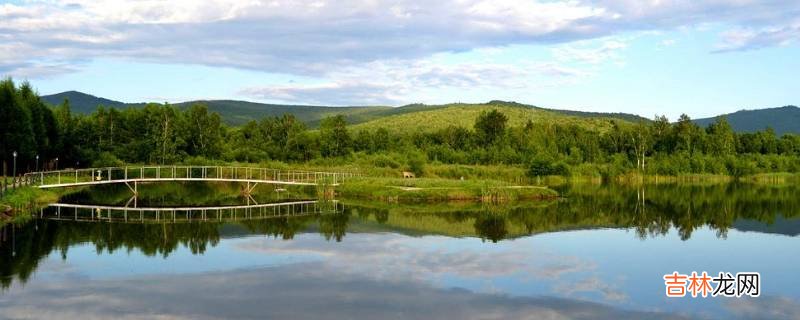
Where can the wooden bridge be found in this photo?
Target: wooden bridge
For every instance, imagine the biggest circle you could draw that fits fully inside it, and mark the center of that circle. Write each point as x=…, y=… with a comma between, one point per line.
x=99, y=213
x=131, y=176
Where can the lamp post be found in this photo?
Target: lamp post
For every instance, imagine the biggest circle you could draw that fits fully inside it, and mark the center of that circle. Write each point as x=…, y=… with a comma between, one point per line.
x=56, y=163
x=15, y=167
x=37, y=163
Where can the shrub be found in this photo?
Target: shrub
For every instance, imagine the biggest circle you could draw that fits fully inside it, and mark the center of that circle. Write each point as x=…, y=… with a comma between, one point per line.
x=384, y=161
x=416, y=163
x=106, y=159
x=541, y=166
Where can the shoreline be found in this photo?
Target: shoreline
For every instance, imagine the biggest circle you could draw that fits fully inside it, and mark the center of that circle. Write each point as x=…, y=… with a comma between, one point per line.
x=437, y=189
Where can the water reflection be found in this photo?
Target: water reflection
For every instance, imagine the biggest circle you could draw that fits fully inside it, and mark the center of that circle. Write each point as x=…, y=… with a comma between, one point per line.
x=374, y=252
x=228, y=213
x=308, y=291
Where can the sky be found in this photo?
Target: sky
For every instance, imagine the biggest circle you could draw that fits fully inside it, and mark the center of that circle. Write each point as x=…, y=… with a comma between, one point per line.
x=647, y=57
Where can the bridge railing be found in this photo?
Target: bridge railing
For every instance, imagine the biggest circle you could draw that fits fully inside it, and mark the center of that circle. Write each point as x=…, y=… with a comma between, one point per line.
x=74, y=212
x=210, y=173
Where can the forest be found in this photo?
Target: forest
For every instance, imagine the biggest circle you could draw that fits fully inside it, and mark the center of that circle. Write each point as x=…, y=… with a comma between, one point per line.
x=164, y=134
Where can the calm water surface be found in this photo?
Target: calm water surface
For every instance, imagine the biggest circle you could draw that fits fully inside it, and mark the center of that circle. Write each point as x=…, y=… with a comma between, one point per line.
x=598, y=254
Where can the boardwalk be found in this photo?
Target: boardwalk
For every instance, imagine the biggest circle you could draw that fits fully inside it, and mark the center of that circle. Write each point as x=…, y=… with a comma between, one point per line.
x=133, y=175
x=98, y=213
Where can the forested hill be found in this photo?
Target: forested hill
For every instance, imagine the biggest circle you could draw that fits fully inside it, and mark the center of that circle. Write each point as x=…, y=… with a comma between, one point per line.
x=782, y=120
x=81, y=102
x=235, y=112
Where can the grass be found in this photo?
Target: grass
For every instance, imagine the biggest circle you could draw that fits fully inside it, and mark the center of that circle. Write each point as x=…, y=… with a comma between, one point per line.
x=771, y=178
x=433, y=189
x=693, y=179
x=708, y=179
x=22, y=200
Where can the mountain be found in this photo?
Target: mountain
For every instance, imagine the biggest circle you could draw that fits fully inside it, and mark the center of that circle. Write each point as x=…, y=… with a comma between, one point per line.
x=235, y=112
x=81, y=102
x=782, y=120
x=239, y=112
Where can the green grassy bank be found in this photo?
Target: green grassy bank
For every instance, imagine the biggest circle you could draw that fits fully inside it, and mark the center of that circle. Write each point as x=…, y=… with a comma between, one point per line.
x=19, y=201
x=433, y=189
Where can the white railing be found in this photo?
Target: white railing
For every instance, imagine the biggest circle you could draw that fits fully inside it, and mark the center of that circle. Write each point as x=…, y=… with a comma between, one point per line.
x=76, y=212
x=90, y=176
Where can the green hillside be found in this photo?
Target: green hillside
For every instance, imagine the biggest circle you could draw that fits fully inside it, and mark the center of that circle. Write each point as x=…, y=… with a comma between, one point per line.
x=464, y=115
x=411, y=108
x=782, y=120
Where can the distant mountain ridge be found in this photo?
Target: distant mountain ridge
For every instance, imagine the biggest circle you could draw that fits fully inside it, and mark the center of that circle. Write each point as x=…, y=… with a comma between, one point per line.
x=782, y=120
x=237, y=112
x=234, y=112
x=83, y=103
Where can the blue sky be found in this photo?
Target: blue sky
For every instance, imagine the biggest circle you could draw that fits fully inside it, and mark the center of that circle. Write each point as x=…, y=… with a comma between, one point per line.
x=702, y=57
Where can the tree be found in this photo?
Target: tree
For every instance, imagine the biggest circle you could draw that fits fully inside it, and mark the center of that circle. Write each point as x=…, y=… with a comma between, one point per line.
x=490, y=126
x=66, y=126
x=687, y=134
x=769, y=142
x=642, y=143
x=16, y=132
x=661, y=130
x=334, y=139
x=204, y=131
x=721, y=138
x=381, y=139
x=38, y=112
x=163, y=123
x=456, y=137
x=363, y=141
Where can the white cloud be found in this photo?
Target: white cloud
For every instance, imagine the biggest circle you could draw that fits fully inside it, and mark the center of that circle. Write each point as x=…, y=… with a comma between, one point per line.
x=593, y=284
x=392, y=82
x=355, y=47
x=313, y=37
x=668, y=42
x=750, y=39
x=588, y=53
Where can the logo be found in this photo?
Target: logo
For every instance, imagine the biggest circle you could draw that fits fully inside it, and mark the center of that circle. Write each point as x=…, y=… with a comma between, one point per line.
x=723, y=284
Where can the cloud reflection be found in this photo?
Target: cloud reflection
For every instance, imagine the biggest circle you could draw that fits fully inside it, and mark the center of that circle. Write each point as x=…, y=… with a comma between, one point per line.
x=307, y=291
x=403, y=256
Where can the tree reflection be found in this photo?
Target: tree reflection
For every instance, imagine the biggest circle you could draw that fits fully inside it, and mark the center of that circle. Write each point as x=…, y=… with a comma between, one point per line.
x=651, y=214
x=24, y=246
x=333, y=226
x=491, y=226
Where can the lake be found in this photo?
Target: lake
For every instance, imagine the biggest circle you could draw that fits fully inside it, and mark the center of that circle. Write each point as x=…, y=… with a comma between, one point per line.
x=601, y=252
